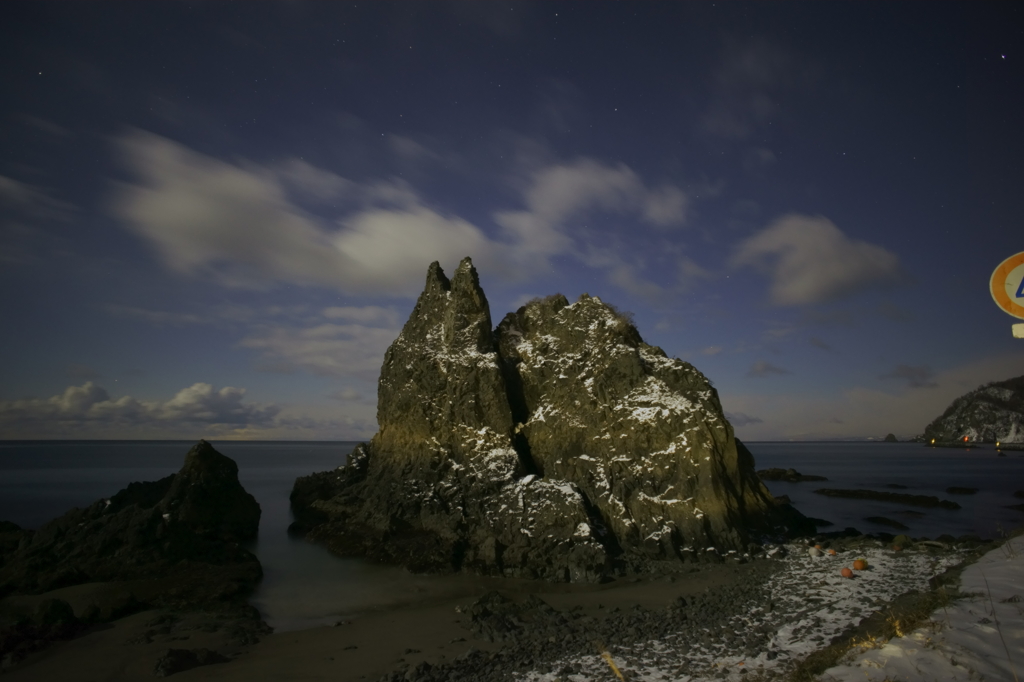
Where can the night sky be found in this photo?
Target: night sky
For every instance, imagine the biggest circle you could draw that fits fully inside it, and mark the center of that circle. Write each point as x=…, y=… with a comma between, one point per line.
x=215, y=217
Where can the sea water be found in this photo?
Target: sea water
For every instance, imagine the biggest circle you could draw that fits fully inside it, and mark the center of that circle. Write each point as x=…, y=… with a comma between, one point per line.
x=304, y=585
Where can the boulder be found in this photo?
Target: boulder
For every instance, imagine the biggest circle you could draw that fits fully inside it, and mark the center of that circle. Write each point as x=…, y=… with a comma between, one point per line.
x=558, y=445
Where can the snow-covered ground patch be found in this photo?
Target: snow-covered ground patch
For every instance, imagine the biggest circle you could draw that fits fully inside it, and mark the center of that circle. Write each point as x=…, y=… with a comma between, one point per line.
x=977, y=638
x=808, y=603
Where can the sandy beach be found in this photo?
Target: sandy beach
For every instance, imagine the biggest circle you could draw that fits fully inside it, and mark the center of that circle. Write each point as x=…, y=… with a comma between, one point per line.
x=720, y=621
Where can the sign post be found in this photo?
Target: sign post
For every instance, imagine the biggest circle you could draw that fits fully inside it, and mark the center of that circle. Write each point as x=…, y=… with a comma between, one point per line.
x=1007, y=288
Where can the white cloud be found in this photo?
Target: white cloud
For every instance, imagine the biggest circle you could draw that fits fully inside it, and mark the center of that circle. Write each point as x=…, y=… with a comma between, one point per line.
x=810, y=260
x=241, y=226
x=559, y=192
x=387, y=243
x=365, y=314
x=253, y=226
x=199, y=404
x=337, y=350
x=199, y=411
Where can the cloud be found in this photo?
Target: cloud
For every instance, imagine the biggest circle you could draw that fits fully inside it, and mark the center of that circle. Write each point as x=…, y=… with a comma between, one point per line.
x=32, y=201
x=741, y=419
x=241, y=225
x=559, y=192
x=810, y=260
x=712, y=350
x=351, y=395
x=748, y=85
x=916, y=376
x=366, y=314
x=88, y=411
x=764, y=369
x=861, y=411
x=818, y=343
x=353, y=349
x=758, y=158
x=159, y=318
x=251, y=225
x=199, y=404
x=45, y=126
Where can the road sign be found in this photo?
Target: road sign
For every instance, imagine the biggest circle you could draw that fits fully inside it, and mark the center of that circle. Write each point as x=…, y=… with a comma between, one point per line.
x=1007, y=285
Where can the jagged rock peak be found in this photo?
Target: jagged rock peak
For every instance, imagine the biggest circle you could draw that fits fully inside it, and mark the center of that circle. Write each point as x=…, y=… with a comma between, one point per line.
x=558, y=446
x=456, y=311
x=441, y=395
x=207, y=496
x=990, y=413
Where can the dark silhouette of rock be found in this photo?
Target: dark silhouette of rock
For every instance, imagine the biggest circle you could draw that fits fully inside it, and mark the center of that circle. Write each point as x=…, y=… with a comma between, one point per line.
x=991, y=413
x=177, y=660
x=790, y=475
x=883, y=521
x=889, y=438
x=901, y=498
x=188, y=524
x=558, y=446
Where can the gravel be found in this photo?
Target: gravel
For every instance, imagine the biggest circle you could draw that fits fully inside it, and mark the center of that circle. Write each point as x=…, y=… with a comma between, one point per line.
x=790, y=605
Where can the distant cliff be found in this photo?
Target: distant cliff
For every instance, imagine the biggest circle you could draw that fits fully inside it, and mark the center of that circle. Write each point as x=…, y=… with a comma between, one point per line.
x=991, y=413
x=558, y=445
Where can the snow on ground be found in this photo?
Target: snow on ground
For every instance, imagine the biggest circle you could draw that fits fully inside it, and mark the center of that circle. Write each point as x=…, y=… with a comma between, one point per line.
x=810, y=603
x=977, y=638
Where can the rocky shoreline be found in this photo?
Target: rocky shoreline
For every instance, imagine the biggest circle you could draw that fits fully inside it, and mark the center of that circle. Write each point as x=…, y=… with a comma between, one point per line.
x=174, y=544
x=778, y=613
x=770, y=622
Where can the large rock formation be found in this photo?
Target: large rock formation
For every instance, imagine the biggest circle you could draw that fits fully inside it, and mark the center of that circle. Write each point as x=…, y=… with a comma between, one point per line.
x=993, y=412
x=185, y=528
x=560, y=446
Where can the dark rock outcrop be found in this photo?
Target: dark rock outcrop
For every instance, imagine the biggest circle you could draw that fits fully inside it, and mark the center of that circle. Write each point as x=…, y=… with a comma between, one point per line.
x=900, y=498
x=884, y=521
x=178, y=660
x=890, y=438
x=991, y=413
x=558, y=446
x=789, y=475
x=185, y=529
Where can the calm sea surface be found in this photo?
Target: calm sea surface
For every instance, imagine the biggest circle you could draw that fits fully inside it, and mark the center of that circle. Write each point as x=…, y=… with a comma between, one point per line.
x=304, y=585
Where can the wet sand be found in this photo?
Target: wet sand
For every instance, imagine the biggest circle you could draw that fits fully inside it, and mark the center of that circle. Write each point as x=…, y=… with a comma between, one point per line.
x=363, y=647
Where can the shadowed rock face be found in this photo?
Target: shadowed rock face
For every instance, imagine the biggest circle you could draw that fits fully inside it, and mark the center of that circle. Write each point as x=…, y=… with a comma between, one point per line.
x=148, y=530
x=559, y=446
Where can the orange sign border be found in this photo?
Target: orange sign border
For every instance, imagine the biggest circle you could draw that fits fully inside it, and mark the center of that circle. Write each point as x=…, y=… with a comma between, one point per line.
x=997, y=285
